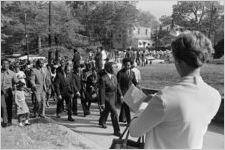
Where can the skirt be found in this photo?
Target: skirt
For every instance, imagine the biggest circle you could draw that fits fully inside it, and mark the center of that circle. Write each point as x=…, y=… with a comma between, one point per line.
x=23, y=108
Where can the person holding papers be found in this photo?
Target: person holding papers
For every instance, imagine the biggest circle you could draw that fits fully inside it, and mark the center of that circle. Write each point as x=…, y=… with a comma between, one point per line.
x=126, y=77
x=178, y=116
x=108, y=95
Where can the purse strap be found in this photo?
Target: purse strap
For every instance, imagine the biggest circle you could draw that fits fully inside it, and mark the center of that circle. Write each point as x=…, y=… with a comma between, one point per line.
x=127, y=135
x=124, y=132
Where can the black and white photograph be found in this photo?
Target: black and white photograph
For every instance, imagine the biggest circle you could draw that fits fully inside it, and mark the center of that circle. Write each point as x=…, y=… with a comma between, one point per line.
x=143, y=74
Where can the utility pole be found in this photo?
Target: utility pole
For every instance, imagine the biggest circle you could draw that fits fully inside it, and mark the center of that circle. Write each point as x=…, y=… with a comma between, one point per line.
x=49, y=35
x=50, y=25
x=211, y=16
x=25, y=19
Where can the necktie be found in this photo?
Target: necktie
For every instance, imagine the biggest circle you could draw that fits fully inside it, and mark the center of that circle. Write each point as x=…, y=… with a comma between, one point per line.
x=128, y=73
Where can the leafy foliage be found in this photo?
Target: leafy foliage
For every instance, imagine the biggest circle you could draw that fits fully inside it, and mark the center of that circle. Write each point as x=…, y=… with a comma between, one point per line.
x=205, y=16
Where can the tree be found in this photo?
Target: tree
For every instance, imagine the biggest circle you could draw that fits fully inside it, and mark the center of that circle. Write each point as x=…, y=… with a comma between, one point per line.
x=107, y=18
x=64, y=26
x=146, y=19
x=15, y=28
x=204, y=16
x=165, y=20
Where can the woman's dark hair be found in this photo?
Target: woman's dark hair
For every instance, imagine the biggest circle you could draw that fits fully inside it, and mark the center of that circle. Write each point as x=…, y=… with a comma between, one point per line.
x=125, y=60
x=192, y=47
x=109, y=67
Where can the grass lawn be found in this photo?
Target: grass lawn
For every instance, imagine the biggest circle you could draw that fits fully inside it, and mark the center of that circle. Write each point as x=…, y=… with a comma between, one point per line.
x=157, y=76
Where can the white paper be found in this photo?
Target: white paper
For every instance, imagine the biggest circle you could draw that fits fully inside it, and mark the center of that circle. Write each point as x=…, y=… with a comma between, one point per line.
x=134, y=98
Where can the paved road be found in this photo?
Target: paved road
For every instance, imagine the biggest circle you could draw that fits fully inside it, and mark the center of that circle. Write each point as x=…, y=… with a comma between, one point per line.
x=89, y=128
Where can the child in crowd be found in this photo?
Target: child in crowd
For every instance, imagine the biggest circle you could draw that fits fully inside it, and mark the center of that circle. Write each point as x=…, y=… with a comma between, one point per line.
x=20, y=74
x=22, y=108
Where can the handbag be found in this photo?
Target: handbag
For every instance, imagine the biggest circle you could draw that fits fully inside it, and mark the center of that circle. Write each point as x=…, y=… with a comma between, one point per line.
x=127, y=143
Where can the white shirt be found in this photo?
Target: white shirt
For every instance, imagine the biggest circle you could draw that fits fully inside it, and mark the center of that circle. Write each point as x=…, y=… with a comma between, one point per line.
x=178, y=116
x=104, y=55
x=110, y=75
x=21, y=76
x=137, y=74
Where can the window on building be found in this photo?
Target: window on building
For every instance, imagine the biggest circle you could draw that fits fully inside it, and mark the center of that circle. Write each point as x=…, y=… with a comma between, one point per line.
x=146, y=31
x=138, y=30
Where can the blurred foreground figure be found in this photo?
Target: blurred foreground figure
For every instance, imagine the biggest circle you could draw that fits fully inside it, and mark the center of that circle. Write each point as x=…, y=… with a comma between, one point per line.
x=179, y=115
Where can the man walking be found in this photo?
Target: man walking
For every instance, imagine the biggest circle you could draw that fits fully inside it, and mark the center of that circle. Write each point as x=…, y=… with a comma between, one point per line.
x=8, y=79
x=78, y=92
x=64, y=90
x=126, y=77
x=38, y=82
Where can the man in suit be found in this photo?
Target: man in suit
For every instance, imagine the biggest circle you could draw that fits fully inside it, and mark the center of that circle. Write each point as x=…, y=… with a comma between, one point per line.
x=125, y=78
x=39, y=87
x=64, y=90
x=48, y=83
x=76, y=59
x=78, y=92
x=108, y=96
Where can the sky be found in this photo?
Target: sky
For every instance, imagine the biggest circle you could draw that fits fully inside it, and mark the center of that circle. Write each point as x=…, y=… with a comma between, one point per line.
x=157, y=7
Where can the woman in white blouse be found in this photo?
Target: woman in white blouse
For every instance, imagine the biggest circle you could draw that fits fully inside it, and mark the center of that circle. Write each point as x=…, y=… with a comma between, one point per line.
x=179, y=115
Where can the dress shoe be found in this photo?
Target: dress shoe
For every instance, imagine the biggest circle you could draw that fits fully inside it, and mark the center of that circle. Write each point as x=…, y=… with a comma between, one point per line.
x=70, y=119
x=34, y=116
x=117, y=134
x=4, y=125
x=27, y=122
x=20, y=124
x=75, y=113
x=103, y=126
x=86, y=113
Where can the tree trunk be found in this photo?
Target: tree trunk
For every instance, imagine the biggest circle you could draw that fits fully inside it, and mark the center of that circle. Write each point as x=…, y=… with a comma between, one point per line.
x=39, y=44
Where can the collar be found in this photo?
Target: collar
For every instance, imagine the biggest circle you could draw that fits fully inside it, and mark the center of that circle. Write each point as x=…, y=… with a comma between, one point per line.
x=110, y=75
x=194, y=79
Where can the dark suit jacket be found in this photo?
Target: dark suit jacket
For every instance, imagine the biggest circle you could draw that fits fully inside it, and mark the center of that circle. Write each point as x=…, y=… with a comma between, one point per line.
x=64, y=86
x=109, y=89
x=77, y=82
x=125, y=81
x=76, y=59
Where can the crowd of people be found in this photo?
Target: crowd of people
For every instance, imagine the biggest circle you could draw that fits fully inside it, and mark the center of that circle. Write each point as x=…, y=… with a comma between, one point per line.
x=65, y=82
x=176, y=117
